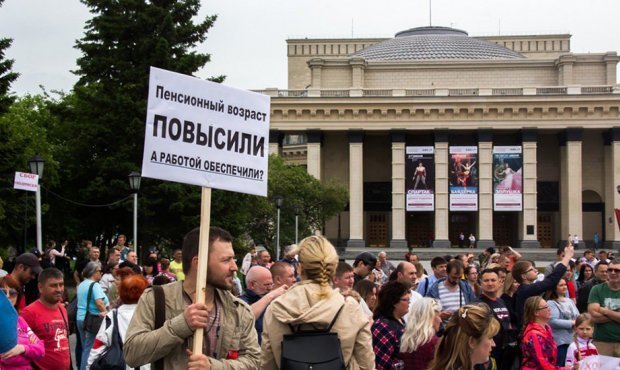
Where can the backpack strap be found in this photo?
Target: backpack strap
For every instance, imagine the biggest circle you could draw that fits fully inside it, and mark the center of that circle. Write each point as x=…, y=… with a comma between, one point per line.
x=67, y=329
x=335, y=318
x=160, y=317
x=329, y=328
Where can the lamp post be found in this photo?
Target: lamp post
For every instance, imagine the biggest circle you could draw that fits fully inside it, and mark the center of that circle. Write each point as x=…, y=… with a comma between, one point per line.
x=296, y=223
x=36, y=166
x=134, y=184
x=279, y=199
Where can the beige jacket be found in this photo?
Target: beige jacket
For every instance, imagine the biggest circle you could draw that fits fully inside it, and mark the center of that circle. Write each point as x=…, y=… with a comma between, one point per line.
x=145, y=345
x=300, y=305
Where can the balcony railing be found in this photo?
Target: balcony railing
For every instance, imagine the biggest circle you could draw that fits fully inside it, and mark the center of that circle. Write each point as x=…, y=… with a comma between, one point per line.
x=442, y=92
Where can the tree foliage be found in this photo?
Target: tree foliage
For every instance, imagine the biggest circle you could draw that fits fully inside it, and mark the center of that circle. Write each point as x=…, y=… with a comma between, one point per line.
x=25, y=132
x=6, y=75
x=253, y=218
x=104, y=120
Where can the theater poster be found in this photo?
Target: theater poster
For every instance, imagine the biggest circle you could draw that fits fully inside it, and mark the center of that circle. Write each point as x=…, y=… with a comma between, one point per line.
x=463, y=178
x=507, y=178
x=420, y=178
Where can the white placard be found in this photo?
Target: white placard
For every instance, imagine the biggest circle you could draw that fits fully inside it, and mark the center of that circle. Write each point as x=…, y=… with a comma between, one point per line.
x=26, y=181
x=203, y=133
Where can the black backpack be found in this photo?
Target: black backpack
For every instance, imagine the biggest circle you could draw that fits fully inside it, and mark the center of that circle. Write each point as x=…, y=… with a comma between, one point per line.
x=112, y=358
x=316, y=349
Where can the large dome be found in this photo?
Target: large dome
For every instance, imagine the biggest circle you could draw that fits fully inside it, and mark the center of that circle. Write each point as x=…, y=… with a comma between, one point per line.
x=435, y=43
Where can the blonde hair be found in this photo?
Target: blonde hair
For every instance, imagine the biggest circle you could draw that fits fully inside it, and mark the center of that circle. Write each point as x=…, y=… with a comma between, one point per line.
x=419, y=330
x=583, y=318
x=470, y=321
x=318, y=260
x=530, y=309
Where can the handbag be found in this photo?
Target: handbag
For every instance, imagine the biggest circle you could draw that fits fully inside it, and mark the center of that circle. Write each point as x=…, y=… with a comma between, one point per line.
x=92, y=323
x=72, y=315
x=112, y=358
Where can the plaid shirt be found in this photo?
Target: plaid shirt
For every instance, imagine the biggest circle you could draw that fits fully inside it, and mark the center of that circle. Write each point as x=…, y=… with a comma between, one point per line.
x=386, y=333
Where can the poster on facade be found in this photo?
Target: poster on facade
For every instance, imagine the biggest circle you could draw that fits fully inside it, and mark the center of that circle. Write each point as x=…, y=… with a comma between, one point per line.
x=463, y=178
x=420, y=178
x=204, y=133
x=507, y=178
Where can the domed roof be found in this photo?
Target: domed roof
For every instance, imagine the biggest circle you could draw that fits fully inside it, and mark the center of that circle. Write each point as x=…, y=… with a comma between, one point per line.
x=435, y=43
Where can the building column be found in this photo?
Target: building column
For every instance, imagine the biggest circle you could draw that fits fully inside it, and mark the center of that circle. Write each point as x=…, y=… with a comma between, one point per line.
x=611, y=61
x=398, y=189
x=316, y=71
x=356, y=189
x=442, y=210
x=275, y=142
x=313, y=153
x=612, y=180
x=571, y=173
x=485, y=189
x=528, y=218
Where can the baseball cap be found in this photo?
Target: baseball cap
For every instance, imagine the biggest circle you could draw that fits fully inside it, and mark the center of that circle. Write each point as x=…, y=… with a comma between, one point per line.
x=367, y=257
x=30, y=260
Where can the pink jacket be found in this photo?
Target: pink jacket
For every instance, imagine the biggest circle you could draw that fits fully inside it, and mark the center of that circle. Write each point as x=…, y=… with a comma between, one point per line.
x=34, y=350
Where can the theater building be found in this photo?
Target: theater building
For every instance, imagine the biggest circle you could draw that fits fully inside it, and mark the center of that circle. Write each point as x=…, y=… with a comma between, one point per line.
x=514, y=139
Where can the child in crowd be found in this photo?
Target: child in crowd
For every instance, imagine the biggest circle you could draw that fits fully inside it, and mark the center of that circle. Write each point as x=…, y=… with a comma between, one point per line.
x=582, y=345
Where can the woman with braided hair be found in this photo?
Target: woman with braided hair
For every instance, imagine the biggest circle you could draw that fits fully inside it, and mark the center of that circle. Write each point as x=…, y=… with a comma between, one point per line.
x=313, y=303
x=467, y=339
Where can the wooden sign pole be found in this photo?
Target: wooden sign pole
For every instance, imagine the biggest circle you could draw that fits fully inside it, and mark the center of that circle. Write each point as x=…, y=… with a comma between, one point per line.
x=203, y=257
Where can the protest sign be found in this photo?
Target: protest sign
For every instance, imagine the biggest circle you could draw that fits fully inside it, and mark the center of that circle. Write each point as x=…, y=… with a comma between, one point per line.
x=26, y=181
x=207, y=134
x=203, y=133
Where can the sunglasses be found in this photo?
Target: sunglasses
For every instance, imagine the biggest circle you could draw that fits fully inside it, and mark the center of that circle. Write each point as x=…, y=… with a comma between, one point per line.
x=614, y=271
x=9, y=292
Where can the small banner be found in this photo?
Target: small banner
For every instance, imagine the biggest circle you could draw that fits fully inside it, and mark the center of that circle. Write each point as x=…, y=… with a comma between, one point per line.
x=203, y=133
x=26, y=181
x=463, y=178
x=420, y=178
x=507, y=178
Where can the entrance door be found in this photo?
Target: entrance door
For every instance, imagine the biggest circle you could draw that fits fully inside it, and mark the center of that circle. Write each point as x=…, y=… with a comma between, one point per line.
x=505, y=228
x=377, y=230
x=545, y=230
x=419, y=229
x=462, y=222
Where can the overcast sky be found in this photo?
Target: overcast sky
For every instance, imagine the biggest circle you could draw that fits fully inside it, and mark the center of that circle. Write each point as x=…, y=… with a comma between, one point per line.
x=247, y=43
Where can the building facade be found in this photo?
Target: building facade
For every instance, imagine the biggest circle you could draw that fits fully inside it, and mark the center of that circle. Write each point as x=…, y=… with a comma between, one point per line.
x=355, y=110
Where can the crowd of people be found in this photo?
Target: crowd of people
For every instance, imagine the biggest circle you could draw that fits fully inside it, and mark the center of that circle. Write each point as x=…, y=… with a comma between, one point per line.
x=491, y=311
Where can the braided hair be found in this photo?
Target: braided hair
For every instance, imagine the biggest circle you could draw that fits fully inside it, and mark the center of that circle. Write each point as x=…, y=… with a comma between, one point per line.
x=318, y=260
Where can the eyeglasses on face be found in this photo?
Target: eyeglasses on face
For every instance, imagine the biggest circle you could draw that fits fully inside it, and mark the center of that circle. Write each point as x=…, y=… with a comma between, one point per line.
x=542, y=308
x=613, y=271
x=9, y=292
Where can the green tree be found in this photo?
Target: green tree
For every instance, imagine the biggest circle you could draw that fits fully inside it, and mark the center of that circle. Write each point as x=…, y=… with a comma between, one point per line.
x=6, y=75
x=256, y=216
x=24, y=130
x=104, y=120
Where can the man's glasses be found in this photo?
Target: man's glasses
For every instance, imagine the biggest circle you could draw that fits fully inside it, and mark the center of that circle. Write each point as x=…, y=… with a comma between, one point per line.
x=614, y=271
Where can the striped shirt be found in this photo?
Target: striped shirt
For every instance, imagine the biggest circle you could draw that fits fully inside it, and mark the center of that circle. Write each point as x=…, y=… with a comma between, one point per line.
x=450, y=301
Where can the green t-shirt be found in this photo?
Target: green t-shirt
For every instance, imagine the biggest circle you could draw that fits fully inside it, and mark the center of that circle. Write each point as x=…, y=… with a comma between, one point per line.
x=601, y=294
x=177, y=269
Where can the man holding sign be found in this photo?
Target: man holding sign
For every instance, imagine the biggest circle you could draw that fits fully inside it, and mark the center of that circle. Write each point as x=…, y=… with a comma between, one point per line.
x=230, y=339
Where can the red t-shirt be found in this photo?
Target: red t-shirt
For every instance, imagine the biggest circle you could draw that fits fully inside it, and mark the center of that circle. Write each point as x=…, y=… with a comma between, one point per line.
x=572, y=293
x=49, y=326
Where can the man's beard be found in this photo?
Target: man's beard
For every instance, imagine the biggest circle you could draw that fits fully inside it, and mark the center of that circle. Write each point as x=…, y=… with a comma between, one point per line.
x=219, y=283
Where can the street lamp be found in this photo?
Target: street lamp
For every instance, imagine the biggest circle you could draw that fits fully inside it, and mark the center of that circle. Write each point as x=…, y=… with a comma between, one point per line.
x=296, y=223
x=279, y=199
x=36, y=166
x=134, y=184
